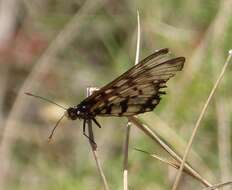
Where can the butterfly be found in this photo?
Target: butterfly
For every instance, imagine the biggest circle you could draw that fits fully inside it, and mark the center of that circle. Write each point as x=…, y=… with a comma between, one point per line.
x=136, y=91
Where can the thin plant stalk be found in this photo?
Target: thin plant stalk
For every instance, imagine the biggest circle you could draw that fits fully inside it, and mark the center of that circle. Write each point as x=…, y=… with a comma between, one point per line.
x=189, y=145
x=171, y=152
x=128, y=126
x=125, y=173
x=94, y=148
x=138, y=39
x=174, y=164
x=125, y=162
x=219, y=185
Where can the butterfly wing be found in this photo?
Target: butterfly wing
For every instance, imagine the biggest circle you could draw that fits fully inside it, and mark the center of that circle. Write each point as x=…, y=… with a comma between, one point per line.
x=138, y=90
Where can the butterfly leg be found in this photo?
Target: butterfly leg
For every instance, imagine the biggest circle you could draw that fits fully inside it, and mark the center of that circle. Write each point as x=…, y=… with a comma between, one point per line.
x=84, y=132
x=96, y=122
x=84, y=127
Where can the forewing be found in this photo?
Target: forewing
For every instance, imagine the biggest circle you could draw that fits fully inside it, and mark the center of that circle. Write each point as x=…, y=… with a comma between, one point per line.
x=138, y=90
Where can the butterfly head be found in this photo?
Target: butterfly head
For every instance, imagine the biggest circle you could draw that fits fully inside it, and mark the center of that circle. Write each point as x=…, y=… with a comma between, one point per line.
x=72, y=113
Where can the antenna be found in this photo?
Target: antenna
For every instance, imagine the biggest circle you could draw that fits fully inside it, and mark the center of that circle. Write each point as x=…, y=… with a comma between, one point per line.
x=45, y=99
x=54, y=128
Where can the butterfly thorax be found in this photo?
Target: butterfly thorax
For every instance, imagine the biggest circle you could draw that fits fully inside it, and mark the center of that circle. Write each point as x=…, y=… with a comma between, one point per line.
x=78, y=112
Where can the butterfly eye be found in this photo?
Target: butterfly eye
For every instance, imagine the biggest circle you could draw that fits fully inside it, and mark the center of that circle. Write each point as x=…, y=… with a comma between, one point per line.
x=71, y=113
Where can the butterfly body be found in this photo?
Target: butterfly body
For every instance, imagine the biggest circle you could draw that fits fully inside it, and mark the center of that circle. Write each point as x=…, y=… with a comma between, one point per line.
x=136, y=91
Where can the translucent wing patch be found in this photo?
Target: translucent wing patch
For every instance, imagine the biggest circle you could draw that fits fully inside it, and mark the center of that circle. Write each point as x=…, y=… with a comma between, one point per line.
x=131, y=102
x=138, y=90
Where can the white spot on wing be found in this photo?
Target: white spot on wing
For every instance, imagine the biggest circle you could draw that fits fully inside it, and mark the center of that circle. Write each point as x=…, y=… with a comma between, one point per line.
x=121, y=82
x=112, y=98
x=108, y=91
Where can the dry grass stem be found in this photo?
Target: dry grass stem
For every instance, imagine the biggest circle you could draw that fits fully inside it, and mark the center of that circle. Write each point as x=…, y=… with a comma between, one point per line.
x=178, y=176
x=218, y=185
x=95, y=155
x=93, y=146
x=126, y=146
x=173, y=138
x=125, y=163
x=172, y=153
x=170, y=163
x=138, y=39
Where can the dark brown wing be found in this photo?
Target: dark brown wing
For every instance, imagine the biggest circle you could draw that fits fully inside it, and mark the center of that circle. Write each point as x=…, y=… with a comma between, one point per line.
x=138, y=90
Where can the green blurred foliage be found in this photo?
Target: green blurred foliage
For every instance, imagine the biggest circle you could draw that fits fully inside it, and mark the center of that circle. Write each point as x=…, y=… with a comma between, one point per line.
x=105, y=48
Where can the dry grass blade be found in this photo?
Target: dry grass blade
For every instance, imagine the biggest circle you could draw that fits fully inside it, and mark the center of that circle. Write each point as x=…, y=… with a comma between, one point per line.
x=171, y=152
x=126, y=146
x=164, y=160
x=138, y=39
x=175, y=185
x=95, y=155
x=94, y=147
x=125, y=162
x=218, y=185
x=168, y=162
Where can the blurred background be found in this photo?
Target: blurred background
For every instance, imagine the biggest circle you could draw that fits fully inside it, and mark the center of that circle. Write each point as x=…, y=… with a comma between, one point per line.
x=57, y=48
